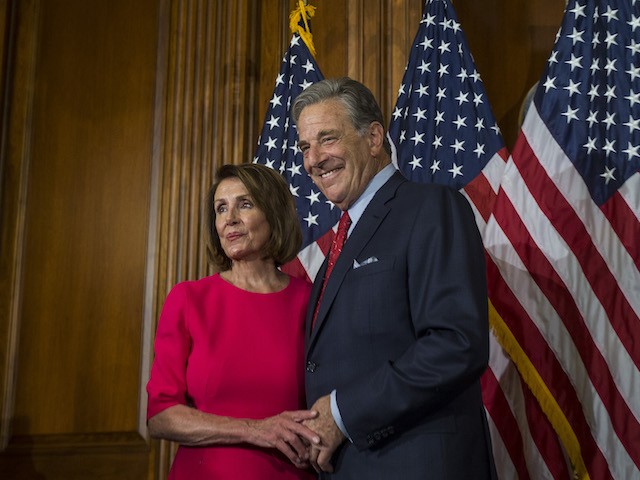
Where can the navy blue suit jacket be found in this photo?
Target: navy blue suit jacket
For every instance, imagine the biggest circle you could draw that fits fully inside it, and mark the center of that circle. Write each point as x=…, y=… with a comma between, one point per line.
x=403, y=339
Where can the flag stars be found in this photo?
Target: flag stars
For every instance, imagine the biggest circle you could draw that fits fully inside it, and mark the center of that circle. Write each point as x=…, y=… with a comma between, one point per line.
x=593, y=92
x=609, y=146
x=609, y=120
x=417, y=138
x=462, y=98
x=308, y=66
x=611, y=39
x=294, y=170
x=480, y=124
x=426, y=43
x=435, y=166
x=423, y=90
x=574, y=62
x=572, y=88
x=611, y=66
x=304, y=85
x=443, y=69
x=424, y=67
x=595, y=65
x=590, y=145
x=633, y=98
x=442, y=93
x=611, y=14
x=634, y=72
x=420, y=114
x=592, y=118
x=275, y=101
x=634, y=23
x=455, y=170
x=439, y=118
x=271, y=143
x=460, y=122
x=437, y=142
x=313, y=197
x=477, y=99
x=415, y=163
x=633, y=124
x=458, y=145
x=549, y=84
x=273, y=122
x=479, y=150
x=578, y=11
x=311, y=219
x=294, y=190
x=570, y=114
x=444, y=47
x=632, y=151
x=634, y=47
x=608, y=174
x=576, y=36
x=610, y=93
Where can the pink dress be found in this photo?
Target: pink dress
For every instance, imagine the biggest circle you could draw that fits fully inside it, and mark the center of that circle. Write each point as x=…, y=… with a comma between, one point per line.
x=230, y=352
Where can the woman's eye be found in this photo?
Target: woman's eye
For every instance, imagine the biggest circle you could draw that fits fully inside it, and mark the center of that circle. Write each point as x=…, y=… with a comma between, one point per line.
x=221, y=209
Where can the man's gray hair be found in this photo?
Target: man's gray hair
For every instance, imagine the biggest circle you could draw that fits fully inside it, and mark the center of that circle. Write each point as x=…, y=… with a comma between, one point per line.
x=361, y=105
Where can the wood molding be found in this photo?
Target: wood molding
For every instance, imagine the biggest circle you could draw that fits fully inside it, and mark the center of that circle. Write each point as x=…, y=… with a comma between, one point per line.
x=20, y=61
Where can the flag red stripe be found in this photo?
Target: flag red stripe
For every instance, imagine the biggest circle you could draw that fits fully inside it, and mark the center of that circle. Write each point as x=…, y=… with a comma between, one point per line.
x=623, y=221
x=324, y=242
x=552, y=373
x=562, y=216
x=481, y=194
x=498, y=407
x=295, y=269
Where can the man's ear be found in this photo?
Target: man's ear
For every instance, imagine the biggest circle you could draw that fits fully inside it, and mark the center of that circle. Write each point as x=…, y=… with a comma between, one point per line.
x=376, y=138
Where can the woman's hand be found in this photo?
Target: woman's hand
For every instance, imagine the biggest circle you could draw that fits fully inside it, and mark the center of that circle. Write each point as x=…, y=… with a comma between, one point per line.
x=286, y=433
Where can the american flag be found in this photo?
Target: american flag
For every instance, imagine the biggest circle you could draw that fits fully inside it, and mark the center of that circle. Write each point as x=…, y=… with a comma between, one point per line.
x=444, y=132
x=564, y=240
x=278, y=149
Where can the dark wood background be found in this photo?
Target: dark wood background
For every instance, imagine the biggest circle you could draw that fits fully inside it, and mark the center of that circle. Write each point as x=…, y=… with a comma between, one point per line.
x=114, y=116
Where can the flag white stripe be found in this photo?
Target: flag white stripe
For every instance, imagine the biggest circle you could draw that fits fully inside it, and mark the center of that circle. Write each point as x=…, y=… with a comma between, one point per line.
x=630, y=192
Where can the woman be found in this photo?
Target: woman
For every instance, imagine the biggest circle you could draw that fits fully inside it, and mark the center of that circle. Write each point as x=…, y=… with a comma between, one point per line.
x=227, y=380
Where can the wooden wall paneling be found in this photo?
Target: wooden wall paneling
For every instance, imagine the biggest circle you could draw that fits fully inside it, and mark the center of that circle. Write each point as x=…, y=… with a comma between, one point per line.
x=208, y=119
x=19, y=47
x=510, y=41
x=86, y=153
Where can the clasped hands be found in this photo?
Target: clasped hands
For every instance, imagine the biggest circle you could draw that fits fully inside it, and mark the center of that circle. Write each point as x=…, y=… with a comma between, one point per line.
x=304, y=436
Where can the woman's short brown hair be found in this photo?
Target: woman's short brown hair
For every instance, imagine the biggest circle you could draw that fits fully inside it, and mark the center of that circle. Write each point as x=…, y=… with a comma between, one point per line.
x=271, y=195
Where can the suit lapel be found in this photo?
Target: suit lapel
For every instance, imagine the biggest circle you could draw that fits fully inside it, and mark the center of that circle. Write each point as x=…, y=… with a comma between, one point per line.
x=373, y=215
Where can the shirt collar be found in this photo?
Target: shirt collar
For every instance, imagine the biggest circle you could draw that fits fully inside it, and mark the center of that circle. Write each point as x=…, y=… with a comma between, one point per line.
x=357, y=209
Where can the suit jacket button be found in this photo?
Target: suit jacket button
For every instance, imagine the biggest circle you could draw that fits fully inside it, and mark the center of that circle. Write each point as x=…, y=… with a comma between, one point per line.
x=311, y=367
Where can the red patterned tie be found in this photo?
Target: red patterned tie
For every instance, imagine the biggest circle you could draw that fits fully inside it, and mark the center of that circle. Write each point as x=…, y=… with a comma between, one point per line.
x=334, y=253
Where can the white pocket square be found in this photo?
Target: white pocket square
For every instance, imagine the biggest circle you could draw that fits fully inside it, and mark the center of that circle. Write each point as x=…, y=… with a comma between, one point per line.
x=369, y=260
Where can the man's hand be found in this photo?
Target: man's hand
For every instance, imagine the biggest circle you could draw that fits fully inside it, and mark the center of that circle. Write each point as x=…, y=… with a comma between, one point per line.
x=330, y=435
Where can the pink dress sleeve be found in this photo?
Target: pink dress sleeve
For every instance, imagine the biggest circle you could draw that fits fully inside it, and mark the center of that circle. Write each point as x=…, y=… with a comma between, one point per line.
x=167, y=384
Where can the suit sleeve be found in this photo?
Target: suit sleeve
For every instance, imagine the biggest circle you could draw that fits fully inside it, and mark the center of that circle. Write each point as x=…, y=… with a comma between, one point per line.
x=167, y=384
x=447, y=301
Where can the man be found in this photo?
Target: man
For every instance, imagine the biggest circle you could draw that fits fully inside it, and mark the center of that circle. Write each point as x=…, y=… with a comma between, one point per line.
x=397, y=338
